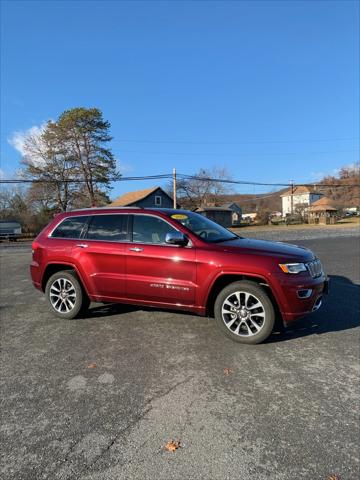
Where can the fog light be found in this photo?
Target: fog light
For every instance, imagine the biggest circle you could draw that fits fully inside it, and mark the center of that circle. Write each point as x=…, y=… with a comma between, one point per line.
x=304, y=293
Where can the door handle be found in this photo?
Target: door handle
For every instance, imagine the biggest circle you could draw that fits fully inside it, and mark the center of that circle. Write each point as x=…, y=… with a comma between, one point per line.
x=136, y=249
x=82, y=245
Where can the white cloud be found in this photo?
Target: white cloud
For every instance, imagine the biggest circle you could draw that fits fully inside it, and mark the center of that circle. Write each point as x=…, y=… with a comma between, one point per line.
x=318, y=176
x=335, y=172
x=2, y=174
x=17, y=139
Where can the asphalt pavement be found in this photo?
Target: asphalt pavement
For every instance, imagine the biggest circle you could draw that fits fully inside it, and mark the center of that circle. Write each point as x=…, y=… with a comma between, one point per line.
x=99, y=397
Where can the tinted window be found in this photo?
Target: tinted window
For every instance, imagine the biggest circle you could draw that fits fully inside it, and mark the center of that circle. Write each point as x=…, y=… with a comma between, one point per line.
x=112, y=228
x=147, y=229
x=70, y=228
x=208, y=230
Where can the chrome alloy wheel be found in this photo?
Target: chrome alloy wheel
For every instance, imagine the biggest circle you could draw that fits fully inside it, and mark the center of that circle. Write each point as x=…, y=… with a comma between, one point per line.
x=62, y=295
x=243, y=314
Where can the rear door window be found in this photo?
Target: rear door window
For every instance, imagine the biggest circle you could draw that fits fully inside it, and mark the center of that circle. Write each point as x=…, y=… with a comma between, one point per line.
x=110, y=228
x=71, y=227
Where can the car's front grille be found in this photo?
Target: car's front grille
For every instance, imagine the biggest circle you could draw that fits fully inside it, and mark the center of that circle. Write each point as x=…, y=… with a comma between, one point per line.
x=315, y=268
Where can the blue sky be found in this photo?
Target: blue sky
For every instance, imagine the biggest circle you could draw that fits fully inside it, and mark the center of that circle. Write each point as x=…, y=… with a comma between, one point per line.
x=268, y=90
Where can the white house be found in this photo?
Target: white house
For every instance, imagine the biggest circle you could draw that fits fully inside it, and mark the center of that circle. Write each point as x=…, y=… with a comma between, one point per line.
x=298, y=196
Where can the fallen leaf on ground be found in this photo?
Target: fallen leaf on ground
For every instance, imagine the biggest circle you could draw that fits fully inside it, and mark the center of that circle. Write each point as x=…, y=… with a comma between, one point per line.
x=172, y=445
x=92, y=365
x=227, y=371
x=333, y=477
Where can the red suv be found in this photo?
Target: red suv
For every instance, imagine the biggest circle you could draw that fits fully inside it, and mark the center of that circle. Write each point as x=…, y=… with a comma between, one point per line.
x=174, y=259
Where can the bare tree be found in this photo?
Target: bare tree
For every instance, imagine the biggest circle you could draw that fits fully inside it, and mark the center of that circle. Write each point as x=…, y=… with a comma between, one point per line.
x=205, y=189
x=40, y=197
x=301, y=211
x=14, y=206
x=46, y=161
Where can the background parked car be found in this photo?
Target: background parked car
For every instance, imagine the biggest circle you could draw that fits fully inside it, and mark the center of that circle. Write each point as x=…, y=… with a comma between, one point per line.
x=10, y=230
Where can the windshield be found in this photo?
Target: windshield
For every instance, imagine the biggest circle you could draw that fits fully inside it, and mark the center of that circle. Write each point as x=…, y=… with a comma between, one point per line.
x=203, y=227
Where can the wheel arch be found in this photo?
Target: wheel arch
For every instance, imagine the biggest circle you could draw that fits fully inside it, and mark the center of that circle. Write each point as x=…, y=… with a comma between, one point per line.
x=225, y=279
x=52, y=268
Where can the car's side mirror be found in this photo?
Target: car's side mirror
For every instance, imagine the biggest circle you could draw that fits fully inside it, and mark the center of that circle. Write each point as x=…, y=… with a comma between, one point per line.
x=176, y=238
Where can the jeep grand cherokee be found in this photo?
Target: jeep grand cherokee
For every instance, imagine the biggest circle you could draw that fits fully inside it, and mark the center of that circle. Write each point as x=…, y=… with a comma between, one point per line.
x=175, y=259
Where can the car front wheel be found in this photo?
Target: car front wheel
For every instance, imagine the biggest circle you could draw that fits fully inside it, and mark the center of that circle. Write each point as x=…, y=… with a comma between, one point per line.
x=65, y=295
x=244, y=312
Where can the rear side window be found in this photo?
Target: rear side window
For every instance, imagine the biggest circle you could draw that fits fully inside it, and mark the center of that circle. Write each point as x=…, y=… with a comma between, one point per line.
x=112, y=228
x=70, y=228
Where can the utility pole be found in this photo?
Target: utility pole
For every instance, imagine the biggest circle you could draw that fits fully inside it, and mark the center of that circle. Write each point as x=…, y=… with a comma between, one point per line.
x=292, y=196
x=174, y=188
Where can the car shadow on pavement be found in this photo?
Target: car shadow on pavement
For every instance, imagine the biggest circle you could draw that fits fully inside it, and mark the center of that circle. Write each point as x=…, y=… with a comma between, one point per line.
x=340, y=311
x=109, y=309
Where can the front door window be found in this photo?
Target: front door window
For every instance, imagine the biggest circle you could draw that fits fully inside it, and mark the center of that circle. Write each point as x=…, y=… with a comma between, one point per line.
x=149, y=229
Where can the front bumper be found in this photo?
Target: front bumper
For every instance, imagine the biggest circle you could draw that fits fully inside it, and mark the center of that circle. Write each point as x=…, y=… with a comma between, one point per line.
x=292, y=305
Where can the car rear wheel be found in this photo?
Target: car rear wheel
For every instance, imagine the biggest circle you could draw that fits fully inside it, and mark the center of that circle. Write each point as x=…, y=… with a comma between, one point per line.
x=65, y=295
x=244, y=312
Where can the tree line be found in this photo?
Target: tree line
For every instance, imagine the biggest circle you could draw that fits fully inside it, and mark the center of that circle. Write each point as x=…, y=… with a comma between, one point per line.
x=74, y=147
x=71, y=164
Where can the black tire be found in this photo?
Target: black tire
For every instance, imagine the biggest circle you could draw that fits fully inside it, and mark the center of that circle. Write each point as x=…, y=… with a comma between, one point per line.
x=245, y=323
x=67, y=281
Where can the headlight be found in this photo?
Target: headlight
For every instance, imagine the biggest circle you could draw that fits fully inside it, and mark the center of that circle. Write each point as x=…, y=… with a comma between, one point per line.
x=293, y=267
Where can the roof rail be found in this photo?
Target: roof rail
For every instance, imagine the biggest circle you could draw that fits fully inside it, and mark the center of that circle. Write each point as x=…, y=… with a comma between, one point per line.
x=100, y=208
x=115, y=208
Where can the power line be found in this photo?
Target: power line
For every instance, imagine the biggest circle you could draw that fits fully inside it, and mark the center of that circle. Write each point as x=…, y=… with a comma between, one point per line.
x=258, y=197
x=244, y=182
x=235, y=182
x=80, y=180
x=239, y=154
x=243, y=142
x=180, y=176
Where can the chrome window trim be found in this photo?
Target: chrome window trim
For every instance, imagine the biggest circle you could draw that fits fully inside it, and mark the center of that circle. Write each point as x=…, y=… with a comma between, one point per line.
x=89, y=216
x=62, y=221
x=189, y=245
x=107, y=241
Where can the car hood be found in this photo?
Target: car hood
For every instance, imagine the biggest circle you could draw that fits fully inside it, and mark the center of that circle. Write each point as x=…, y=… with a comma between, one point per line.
x=266, y=247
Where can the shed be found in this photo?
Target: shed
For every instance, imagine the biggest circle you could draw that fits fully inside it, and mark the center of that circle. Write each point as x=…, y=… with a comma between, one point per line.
x=236, y=212
x=220, y=215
